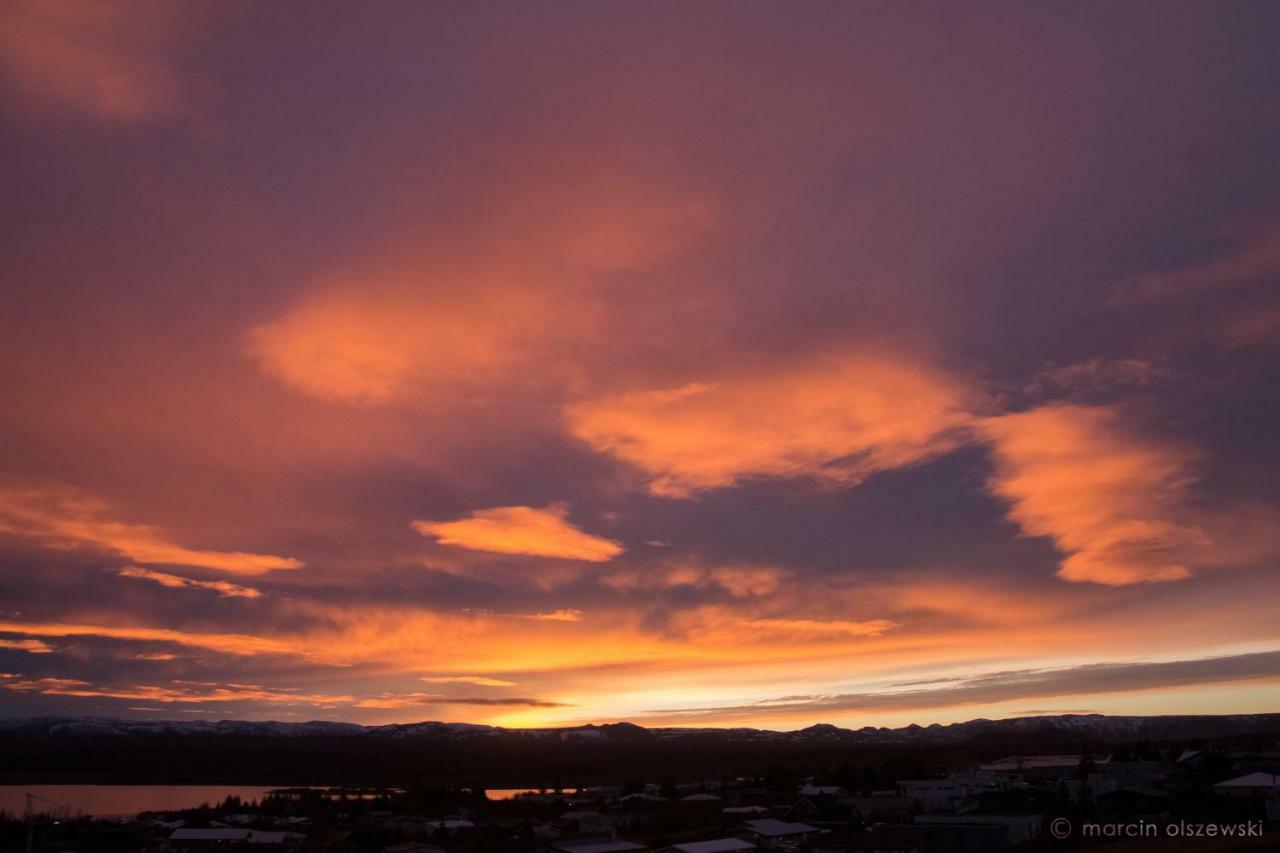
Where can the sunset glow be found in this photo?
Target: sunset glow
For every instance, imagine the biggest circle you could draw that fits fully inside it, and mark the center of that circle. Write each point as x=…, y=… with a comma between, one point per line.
x=542, y=365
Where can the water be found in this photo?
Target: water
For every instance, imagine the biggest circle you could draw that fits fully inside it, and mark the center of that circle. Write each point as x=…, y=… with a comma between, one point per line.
x=508, y=793
x=129, y=800
x=122, y=800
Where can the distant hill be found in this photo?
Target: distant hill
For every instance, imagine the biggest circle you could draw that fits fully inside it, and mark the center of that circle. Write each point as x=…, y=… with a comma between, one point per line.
x=101, y=749
x=1094, y=727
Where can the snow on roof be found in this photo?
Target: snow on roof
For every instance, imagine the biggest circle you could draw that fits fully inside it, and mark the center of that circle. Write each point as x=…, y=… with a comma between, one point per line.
x=701, y=797
x=1038, y=762
x=1252, y=780
x=210, y=835
x=773, y=827
x=719, y=845
x=602, y=847
x=819, y=790
x=280, y=837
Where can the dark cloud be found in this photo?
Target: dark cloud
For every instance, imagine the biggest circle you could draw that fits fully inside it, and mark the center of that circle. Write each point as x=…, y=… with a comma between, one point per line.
x=1086, y=680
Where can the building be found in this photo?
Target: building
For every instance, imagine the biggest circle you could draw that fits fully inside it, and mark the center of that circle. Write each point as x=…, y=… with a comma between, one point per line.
x=881, y=809
x=823, y=791
x=586, y=821
x=772, y=834
x=934, y=795
x=1038, y=768
x=599, y=847
x=717, y=845
x=1019, y=828
x=228, y=838
x=1267, y=784
x=208, y=839
x=916, y=838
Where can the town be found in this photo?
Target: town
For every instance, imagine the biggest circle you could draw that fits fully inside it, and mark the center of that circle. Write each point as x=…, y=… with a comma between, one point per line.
x=1209, y=799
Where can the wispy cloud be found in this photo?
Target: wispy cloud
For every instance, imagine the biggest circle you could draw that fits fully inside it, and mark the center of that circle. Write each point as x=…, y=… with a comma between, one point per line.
x=1097, y=377
x=1249, y=255
x=35, y=647
x=411, y=700
x=531, y=531
x=65, y=518
x=820, y=627
x=176, y=692
x=1013, y=685
x=107, y=59
x=236, y=644
x=476, y=680
x=568, y=614
x=223, y=588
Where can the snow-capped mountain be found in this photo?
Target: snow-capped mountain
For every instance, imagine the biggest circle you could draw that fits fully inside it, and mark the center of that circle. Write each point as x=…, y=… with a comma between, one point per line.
x=1096, y=727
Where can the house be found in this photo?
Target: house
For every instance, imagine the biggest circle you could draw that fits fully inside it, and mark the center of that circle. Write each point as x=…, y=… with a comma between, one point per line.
x=934, y=795
x=926, y=838
x=1267, y=784
x=1042, y=767
x=413, y=847
x=585, y=821
x=1137, y=800
x=1134, y=774
x=881, y=809
x=1019, y=828
x=1190, y=759
x=772, y=834
x=717, y=845
x=599, y=847
x=274, y=840
x=823, y=791
x=207, y=839
x=227, y=838
x=744, y=811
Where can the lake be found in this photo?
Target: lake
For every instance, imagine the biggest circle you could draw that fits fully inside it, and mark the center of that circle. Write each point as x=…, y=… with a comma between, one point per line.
x=129, y=800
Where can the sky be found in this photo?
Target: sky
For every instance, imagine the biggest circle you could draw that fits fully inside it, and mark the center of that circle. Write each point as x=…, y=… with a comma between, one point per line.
x=706, y=364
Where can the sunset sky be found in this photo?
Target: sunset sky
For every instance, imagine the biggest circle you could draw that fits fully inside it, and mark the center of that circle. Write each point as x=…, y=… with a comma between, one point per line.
x=684, y=363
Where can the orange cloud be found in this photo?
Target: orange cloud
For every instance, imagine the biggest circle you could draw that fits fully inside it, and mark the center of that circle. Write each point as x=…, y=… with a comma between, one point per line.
x=236, y=644
x=227, y=590
x=63, y=518
x=477, y=680
x=411, y=700
x=177, y=691
x=534, y=532
x=837, y=421
x=108, y=59
x=562, y=615
x=823, y=627
x=35, y=647
x=374, y=343
x=1114, y=502
x=473, y=318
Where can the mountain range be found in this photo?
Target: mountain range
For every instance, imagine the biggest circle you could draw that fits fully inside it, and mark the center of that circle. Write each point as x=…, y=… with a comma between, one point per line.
x=1093, y=727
